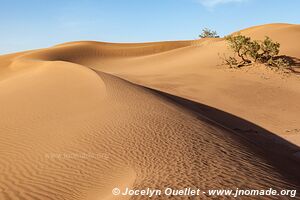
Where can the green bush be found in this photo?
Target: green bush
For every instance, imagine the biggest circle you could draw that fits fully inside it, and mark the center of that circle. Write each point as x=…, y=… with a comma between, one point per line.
x=207, y=33
x=252, y=51
x=240, y=45
x=269, y=49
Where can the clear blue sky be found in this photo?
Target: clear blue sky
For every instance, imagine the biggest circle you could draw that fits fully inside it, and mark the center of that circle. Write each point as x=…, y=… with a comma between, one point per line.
x=29, y=24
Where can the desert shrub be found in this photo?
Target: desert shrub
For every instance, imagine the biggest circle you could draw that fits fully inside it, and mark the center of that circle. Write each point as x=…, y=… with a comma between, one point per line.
x=240, y=45
x=207, y=33
x=230, y=61
x=252, y=51
x=269, y=49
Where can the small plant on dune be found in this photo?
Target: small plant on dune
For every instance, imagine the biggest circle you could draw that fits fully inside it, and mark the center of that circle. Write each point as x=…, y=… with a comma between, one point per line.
x=208, y=33
x=269, y=49
x=240, y=45
x=254, y=48
x=230, y=61
x=252, y=51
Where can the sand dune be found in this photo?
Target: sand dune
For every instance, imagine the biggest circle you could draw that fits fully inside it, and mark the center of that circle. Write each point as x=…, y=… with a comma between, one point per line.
x=78, y=119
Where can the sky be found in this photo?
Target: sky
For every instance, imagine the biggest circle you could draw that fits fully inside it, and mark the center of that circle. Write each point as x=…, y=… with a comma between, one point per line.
x=31, y=24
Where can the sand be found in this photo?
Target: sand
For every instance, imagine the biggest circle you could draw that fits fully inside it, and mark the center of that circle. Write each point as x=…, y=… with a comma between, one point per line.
x=81, y=118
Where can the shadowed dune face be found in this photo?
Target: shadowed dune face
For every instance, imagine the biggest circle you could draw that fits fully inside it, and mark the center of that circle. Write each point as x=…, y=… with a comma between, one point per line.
x=71, y=129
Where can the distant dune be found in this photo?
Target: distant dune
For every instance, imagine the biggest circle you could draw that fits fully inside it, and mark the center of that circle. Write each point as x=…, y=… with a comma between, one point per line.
x=81, y=118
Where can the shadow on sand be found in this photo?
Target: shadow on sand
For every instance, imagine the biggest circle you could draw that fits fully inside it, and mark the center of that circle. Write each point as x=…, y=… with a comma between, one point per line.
x=275, y=150
x=295, y=63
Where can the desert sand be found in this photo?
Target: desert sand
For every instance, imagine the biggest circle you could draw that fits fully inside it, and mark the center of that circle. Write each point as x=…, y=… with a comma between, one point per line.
x=81, y=118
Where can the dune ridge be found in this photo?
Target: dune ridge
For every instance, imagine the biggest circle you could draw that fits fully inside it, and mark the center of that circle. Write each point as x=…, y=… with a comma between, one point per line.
x=79, y=120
